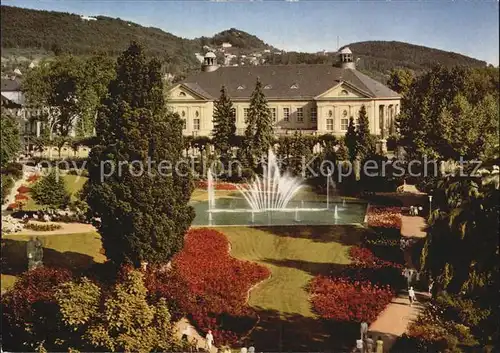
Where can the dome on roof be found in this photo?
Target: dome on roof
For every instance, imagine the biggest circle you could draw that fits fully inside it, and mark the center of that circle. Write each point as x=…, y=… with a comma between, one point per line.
x=346, y=50
x=210, y=55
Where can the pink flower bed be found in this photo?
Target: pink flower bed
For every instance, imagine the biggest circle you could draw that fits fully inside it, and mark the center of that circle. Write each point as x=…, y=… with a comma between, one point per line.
x=384, y=217
x=203, y=184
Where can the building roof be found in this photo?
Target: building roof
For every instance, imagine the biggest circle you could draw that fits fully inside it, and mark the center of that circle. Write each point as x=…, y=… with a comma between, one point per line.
x=210, y=55
x=284, y=81
x=346, y=50
x=9, y=85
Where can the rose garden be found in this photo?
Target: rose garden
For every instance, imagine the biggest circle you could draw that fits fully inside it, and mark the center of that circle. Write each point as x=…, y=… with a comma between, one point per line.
x=126, y=263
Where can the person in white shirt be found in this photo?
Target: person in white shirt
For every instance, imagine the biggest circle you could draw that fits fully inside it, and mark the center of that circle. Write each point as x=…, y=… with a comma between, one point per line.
x=210, y=340
x=411, y=295
x=359, y=345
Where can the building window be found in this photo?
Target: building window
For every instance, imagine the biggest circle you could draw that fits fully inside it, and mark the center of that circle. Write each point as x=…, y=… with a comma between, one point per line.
x=344, y=123
x=294, y=86
x=273, y=114
x=344, y=93
x=241, y=87
x=268, y=87
x=300, y=115
x=344, y=113
x=196, y=124
x=286, y=114
x=314, y=115
x=182, y=94
x=329, y=124
x=196, y=114
x=183, y=113
x=245, y=114
x=330, y=113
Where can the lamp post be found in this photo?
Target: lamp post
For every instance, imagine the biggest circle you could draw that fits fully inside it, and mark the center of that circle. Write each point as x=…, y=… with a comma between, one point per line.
x=430, y=205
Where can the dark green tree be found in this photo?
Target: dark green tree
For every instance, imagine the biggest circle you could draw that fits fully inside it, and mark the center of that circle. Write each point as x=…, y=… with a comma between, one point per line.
x=259, y=134
x=400, y=80
x=51, y=191
x=365, y=141
x=144, y=215
x=224, y=119
x=351, y=140
x=10, y=145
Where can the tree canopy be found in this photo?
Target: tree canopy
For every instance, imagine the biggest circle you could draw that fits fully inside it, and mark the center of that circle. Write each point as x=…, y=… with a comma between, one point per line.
x=11, y=144
x=144, y=205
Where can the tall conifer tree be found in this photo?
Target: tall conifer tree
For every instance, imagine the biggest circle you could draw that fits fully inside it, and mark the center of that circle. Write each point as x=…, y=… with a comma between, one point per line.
x=144, y=215
x=365, y=142
x=351, y=140
x=224, y=131
x=259, y=131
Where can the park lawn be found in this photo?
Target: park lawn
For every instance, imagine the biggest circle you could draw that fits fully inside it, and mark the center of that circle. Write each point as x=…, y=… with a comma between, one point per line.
x=74, y=251
x=294, y=256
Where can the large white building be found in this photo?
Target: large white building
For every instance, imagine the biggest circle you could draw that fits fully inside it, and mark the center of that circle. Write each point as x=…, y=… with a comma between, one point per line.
x=315, y=99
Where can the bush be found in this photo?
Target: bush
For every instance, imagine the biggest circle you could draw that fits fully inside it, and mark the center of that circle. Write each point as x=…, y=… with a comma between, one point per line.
x=385, y=243
x=13, y=169
x=42, y=227
x=7, y=184
x=211, y=286
x=29, y=310
x=344, y=300
x=51, y=191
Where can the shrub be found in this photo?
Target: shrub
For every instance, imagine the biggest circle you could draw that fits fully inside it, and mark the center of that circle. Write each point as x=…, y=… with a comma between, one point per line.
x=51, y=191
x=7, y=184
x=13, y=169
x=23, y=189
x=344, y=300
x=29, y=311
x=384, y=217
x=42, y=227
x=211, y=286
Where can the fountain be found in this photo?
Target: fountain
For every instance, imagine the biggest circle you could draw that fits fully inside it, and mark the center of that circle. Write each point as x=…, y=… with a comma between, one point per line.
x=273, y=191
x=274, y=195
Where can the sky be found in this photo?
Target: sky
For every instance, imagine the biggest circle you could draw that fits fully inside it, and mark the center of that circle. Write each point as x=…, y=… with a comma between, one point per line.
x=467, y=27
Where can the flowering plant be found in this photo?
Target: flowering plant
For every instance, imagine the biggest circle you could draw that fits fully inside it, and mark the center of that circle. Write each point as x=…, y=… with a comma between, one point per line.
x=384, y=217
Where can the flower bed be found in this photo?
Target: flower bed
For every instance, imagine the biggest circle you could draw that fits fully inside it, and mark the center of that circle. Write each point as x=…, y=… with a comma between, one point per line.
x=23, y=189
x=203, y=184
x=33, y=178
x=14, y=206
x=342, y=300
x=19, y=197
x=211, y=286
x=384, y=217
x=42, y=227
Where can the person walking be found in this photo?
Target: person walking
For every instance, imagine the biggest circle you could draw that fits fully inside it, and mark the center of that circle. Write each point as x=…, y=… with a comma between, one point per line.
x=369, y=344
x=363, y=330
x=210, y=340
x=411, y=295
x=380, y=345
x=359, y=345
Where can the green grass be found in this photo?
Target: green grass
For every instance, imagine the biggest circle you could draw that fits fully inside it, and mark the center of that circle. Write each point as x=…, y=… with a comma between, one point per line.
x=73, y=251
x=294, y=256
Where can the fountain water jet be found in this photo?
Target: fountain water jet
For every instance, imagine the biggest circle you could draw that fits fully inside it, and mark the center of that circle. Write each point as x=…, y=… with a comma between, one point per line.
x=336, y=213
x=273, y=191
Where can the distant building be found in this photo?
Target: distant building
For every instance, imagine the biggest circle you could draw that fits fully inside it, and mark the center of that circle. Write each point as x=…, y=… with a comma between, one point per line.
x=226, y=45
x=17, y=72
x=266, y=51
x=88, y=18
x=199, y=57
x=312, y=98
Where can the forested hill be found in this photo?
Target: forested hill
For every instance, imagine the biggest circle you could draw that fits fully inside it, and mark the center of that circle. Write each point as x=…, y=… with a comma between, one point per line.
x=28, y=34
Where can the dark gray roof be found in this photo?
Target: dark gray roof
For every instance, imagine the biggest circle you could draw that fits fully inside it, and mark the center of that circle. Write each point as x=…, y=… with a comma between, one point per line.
x=9, y=85
x=310, y=81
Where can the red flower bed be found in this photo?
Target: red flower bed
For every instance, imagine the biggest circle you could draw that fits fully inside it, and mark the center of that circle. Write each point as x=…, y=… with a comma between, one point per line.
x=33, y=178
x=384, y=217
x=23, y=189
x=210, y=285
x=344, y=300
x=19, y=197
x=13, y=206
x=203, y=184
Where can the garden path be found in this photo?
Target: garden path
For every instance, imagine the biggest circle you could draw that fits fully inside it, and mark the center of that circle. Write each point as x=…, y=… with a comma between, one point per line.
x=66, y=228
x=182, y=324
x=396, y=317
x=413, y=226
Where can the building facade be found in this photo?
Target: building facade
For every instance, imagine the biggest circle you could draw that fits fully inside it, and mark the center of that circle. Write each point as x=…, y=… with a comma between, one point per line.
x=316, y=99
